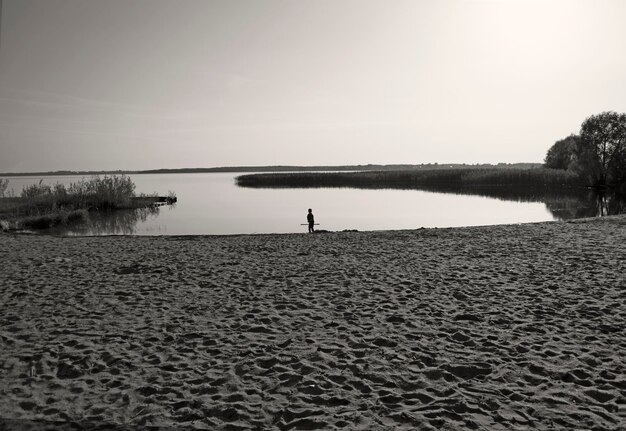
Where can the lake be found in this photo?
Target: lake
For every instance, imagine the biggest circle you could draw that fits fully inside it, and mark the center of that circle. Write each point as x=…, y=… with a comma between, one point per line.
x=211, y=203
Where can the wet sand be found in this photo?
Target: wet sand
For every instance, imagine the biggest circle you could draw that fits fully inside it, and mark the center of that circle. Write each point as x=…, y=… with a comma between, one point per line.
x=497, y=328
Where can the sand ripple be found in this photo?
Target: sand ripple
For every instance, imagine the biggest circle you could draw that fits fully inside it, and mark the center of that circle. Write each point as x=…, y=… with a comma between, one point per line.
x=499, y=328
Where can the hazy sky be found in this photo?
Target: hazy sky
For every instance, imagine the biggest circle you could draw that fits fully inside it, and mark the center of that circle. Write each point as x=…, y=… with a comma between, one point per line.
x=139, y=84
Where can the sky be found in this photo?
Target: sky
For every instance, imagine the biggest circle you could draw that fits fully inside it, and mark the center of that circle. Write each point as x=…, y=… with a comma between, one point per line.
x=143, y=84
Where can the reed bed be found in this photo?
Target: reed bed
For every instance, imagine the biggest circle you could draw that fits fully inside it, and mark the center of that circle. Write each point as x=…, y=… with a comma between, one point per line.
x=106, y=193
x=505, y=183
x=410, y=179
x=41, y=206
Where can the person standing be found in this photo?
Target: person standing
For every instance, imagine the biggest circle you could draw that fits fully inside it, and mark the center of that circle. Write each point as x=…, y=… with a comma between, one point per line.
x=311, y=220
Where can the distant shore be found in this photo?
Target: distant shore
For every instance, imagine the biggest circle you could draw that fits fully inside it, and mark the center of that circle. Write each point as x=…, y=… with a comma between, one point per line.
x=492, y=327
x=276, y=168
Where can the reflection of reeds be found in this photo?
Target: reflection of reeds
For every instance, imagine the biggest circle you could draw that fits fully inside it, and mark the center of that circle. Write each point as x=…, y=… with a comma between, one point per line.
x=120, y=222
x=61, y=217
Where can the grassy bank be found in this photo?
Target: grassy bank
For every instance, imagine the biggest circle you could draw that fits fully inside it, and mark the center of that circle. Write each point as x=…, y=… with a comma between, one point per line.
x=495, y=182
x=42, y=206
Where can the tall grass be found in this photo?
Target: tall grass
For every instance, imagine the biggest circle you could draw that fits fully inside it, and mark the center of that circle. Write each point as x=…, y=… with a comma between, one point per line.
x=43, y=205
x=439, y=180
x=106, y=193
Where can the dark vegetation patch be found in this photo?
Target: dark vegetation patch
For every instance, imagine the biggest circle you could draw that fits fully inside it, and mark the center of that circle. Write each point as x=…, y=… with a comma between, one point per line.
x=488, y=181
x=43, y=206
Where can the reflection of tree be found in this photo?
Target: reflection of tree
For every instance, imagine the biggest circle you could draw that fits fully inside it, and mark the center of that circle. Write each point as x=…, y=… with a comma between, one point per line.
x=611, y=204
x=570, y=207
x=590, y=204
x=564, y=204
x=119, y=222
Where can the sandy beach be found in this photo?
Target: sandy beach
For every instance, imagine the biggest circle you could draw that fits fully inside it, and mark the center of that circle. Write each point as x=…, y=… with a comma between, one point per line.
x=491, y=328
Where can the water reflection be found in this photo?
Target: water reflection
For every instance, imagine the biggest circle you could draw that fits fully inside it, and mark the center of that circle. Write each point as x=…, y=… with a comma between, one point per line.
x=212, y=204
x=610, y=204
x=120, y=222
x=563, y=204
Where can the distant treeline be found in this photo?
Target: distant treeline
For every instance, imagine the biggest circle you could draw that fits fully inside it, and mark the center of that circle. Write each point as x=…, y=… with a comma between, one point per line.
x=283, y=168
x=504, y=183
x=55, y=173
x=369, y=167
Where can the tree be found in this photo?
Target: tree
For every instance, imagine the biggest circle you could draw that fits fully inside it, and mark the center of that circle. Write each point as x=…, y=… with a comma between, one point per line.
x=562, y=153
x=601, y=153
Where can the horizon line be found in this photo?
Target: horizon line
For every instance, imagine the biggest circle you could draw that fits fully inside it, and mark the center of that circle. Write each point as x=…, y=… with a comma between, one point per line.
x=249, y=168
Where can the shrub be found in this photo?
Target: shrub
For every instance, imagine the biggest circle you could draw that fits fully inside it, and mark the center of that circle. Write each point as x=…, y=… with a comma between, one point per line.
x=4, y=185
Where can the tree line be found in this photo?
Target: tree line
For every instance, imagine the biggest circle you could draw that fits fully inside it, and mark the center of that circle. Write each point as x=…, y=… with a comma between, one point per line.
x=597, y=154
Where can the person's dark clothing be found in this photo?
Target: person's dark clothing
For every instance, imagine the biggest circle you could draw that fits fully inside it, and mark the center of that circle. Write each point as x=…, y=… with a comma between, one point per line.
x=311, y=220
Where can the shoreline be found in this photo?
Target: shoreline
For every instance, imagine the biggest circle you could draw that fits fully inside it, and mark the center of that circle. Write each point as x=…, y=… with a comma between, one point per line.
x=518, y=326
x=319, y=232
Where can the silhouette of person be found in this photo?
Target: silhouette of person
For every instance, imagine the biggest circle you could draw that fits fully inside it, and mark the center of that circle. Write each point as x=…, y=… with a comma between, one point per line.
x=311, y=220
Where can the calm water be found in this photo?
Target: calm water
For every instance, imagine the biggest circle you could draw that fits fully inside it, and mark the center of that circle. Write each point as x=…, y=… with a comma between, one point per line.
x=212, y=204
